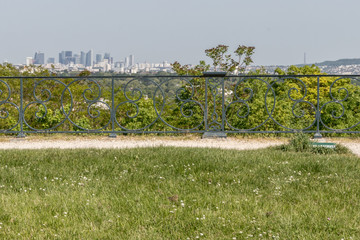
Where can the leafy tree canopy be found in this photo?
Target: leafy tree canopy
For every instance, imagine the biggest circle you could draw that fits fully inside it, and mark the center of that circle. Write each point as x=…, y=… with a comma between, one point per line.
x=221, y=61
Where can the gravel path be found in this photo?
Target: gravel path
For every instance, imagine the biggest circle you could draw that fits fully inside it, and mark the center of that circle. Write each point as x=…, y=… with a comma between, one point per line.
x=134, y=142
x=353, y=146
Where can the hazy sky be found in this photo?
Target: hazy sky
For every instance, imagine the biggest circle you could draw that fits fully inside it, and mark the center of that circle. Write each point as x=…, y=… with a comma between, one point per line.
x=158, y=30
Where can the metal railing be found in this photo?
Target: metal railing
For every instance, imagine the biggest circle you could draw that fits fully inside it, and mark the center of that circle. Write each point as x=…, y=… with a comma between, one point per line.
x=213, y=104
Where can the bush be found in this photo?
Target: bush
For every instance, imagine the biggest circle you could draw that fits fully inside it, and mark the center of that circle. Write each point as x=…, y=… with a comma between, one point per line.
x=301, y=142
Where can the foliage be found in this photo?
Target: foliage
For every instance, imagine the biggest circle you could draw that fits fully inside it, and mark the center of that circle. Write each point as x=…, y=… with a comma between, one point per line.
x=188, y=70
x=84, y=73
x=300, y=142
x=221, y=61
x=226, y=63
x=291, y=101
x=9, y=70
x=334, y=92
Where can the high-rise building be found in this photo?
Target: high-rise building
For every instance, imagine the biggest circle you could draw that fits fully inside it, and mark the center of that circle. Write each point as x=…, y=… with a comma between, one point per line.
x=62, y=57
x=89, y=58
x=68, y=54
x=39, y=58
x=76, y=58
x=107, y=56
x=82, y=58
x=98, y=58
x=68, y=57
x=132, y=60
x=127, y=62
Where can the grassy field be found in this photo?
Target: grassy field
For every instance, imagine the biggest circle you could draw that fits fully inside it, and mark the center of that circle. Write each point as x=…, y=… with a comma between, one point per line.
x=178, y=193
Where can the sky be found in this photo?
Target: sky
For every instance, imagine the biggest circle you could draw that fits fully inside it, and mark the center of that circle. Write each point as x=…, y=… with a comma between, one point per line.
x=158, y=30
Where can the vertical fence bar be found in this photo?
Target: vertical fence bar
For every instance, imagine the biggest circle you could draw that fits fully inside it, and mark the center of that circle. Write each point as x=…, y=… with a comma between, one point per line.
x=112, y=115
x=318, y=134
x=21, y=111
x=223, y=105
x=206, y=105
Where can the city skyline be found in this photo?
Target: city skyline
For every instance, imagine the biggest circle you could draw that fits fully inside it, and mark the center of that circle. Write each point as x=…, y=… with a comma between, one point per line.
x=70, y=61
x=155, y=30
x=68, y=56
x=94, y=62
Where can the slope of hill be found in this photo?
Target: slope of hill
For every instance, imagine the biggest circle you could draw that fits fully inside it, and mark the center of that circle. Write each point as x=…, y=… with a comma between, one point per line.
x=339, y=62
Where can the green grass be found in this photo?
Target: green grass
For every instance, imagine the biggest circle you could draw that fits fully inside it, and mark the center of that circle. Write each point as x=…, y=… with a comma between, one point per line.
x=222, y=194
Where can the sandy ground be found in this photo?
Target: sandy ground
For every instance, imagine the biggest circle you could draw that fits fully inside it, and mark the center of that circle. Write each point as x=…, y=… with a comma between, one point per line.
x=239, y=144
x=134, y=142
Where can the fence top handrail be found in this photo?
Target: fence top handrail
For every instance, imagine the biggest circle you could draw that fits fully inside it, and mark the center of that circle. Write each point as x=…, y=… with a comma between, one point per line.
x=183, y=76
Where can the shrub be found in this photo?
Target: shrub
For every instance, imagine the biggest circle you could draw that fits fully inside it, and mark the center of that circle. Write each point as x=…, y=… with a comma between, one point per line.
x=301, y=142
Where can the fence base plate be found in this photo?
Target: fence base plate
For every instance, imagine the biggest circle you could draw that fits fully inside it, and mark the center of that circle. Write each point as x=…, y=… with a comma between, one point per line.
x=21, y=135
x=317, y=135
x=214, y=135
x=112, y=135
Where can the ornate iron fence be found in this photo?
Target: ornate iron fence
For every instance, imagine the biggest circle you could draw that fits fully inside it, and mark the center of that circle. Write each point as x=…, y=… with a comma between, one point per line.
x=213, y=104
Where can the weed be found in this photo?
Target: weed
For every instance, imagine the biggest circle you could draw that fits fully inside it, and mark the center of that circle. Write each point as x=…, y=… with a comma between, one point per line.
x=301, y=142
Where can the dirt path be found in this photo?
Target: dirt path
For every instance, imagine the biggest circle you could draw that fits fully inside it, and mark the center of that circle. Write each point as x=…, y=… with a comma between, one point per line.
x=134, y=142
x=102, y=142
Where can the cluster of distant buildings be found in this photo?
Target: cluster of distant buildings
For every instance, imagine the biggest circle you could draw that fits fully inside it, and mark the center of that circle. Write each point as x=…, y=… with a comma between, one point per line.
x=345, y=69
x=69, y=61
x=352, y=69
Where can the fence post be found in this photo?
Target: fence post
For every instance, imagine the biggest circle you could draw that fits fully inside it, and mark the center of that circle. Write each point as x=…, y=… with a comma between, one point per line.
x=21, y=111
x=214, y=133
x=112, y=115
x=318, y=134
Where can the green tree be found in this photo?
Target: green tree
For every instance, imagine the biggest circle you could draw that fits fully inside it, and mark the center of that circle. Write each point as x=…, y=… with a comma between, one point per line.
x=193, y=94
x=221, y=61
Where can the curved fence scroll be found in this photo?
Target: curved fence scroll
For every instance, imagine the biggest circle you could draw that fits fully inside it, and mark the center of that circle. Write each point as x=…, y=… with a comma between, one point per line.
x=180, y=104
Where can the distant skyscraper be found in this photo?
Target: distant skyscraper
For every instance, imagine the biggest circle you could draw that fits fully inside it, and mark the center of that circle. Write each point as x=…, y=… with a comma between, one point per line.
x=98, y=58
x=127, y=60
x=82, y=58
x=107, y=56
x=89, y=58
x=68, y=57
x=39, y=58
x=132, y=60
x=76, y=58
x=68, y=54
x=62, y=57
